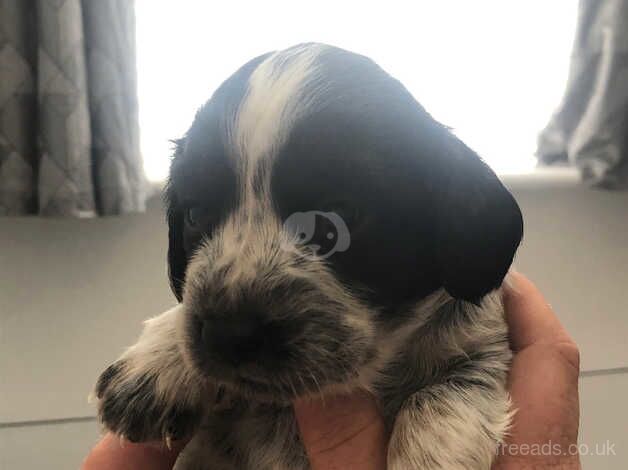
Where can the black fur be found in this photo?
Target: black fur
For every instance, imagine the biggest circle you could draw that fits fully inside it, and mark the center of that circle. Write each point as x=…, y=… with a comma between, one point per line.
x=423, y=210
x=432, y=213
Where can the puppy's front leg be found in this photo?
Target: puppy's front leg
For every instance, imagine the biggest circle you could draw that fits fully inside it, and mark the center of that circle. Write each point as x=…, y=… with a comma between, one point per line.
x=458, y=421
x=447, y=427
x=150, y=393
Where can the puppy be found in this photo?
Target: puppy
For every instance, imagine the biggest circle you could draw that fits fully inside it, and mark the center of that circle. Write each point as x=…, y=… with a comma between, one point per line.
x=325, y=234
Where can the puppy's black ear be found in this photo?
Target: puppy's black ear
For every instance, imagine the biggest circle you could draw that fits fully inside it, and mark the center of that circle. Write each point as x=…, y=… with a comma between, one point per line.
x=478, y=224
x=177, y=260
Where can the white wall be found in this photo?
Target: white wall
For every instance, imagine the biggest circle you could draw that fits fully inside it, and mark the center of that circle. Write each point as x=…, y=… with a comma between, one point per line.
x=73, y=294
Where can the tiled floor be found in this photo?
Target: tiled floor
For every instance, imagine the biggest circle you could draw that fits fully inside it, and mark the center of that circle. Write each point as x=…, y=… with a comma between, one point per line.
x=604, y=421
x=73, y=294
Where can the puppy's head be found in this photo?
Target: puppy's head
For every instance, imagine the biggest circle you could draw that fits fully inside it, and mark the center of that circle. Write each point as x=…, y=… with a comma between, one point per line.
x=313, y=206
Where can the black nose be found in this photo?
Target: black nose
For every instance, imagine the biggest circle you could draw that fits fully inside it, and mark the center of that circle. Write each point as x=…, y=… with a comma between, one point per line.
x=242, y=338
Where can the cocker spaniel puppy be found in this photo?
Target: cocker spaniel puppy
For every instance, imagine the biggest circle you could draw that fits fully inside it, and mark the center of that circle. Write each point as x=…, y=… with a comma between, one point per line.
x=325, y=234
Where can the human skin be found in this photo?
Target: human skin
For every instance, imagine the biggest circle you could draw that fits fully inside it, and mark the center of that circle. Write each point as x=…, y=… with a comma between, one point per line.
x=347, y=432
x=543, y=383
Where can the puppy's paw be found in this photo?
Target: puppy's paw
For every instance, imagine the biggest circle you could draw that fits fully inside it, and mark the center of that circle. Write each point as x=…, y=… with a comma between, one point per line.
x=129, y=405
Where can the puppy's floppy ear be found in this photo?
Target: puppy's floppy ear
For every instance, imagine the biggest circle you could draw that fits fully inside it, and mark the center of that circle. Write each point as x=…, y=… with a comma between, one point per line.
x=177, y=258
x=478, y=223
x=176, y=252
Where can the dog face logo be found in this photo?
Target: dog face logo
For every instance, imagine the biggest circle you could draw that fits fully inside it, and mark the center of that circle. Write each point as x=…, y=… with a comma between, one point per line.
x=321, y=233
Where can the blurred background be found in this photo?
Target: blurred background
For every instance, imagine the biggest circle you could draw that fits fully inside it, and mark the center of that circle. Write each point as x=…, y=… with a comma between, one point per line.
x=93, y=91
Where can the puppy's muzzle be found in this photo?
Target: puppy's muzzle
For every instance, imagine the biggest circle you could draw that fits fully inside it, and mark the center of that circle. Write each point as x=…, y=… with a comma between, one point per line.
x=250, y=329
x=265, y=321
x=247, y=337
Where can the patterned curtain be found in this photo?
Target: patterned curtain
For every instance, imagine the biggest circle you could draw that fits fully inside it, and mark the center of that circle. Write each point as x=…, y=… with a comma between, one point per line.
x=69, y=133
x=590, y=128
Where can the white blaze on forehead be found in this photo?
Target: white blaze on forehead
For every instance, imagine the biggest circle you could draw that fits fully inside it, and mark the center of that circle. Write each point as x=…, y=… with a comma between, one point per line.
x=280, y=90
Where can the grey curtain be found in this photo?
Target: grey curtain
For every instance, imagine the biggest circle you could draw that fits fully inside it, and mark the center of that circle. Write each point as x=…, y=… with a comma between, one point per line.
x=590, y=128
x=69, y=133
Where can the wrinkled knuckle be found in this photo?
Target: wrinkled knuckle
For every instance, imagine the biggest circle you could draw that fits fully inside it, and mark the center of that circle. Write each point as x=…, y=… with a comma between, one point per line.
x=569, y=350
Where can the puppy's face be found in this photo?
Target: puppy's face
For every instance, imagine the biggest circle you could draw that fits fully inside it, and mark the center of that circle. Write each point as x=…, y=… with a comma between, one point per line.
x=313, y=206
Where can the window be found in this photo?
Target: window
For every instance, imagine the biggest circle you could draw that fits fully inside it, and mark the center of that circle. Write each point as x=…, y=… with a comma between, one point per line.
x=492, y=70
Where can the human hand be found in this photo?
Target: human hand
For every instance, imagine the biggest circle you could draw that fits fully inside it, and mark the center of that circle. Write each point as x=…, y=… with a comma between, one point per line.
x=342, y=432
x=111, y=454
x=543, y=383
x=346, y=433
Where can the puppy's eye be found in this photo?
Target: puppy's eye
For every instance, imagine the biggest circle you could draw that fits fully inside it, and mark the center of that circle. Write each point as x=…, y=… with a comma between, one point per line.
x=198, y=217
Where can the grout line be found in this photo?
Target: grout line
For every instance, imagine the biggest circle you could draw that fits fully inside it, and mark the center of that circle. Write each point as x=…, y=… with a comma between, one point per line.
x=87, y=419
x=47, y=422
x=597, y=372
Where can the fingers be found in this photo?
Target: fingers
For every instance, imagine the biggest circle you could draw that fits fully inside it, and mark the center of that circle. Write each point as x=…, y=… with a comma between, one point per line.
x=111, y=454
x=543, y=380
x=530, y=318
x=342, y=432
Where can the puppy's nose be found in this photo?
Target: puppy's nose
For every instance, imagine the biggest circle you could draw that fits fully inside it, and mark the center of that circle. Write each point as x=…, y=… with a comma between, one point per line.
x=236, y=339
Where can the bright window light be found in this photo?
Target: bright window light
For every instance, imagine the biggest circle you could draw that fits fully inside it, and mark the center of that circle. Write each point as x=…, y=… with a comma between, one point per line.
x=492, y=70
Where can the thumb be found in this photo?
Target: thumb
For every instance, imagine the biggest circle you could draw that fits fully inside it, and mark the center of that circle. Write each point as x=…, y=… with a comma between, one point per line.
x=342, y=432
x=111, y=454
